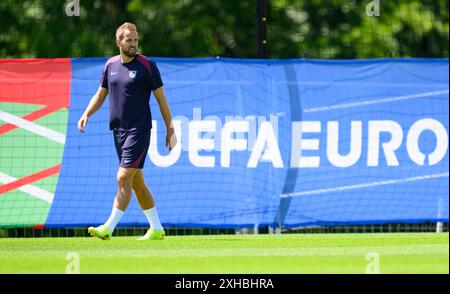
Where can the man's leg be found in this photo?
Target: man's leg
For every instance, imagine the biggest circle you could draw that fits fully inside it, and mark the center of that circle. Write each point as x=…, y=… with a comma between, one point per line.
x=125, y=177
x=143, y=194
x=147, y=203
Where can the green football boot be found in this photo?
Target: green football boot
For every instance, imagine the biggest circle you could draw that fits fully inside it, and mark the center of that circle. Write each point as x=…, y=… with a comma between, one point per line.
x=153, y=234
x=101, y=232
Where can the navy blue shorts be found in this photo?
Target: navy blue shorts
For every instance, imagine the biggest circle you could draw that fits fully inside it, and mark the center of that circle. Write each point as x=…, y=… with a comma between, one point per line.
x=132, y=147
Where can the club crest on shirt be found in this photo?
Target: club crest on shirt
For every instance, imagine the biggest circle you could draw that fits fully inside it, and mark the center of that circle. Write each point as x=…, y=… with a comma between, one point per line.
x=132, y=73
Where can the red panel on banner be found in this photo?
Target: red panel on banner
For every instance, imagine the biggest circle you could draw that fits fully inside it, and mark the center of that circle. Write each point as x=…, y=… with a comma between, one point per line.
x=43, y=82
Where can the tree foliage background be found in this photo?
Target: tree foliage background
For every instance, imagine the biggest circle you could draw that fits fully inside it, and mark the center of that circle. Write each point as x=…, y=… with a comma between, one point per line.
x=228, y=28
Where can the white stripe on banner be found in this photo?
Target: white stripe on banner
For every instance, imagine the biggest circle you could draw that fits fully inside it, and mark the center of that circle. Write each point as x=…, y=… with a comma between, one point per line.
x=378, y=101
x=33, y=127
x=365, y=185
x=29, y=189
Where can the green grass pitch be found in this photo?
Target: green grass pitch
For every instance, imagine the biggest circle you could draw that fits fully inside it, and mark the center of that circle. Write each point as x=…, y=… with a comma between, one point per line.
x=286, y=253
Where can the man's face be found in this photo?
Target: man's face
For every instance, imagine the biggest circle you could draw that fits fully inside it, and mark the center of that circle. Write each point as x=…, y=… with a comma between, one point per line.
x=128, y=44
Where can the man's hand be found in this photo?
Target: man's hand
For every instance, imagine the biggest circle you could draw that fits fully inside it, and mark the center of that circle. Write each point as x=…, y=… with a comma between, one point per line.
x=95, y=103
x=171, y=139
x=82, y=123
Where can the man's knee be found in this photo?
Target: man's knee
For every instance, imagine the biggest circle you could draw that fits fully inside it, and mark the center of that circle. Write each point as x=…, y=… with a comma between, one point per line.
x=138, y=183
x=125, y=178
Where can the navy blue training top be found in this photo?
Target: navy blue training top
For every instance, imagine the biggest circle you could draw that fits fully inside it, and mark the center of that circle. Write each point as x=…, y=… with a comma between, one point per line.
x=129, y=87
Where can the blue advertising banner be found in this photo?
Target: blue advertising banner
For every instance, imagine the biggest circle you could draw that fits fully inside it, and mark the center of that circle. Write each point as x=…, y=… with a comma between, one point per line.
x=271, y=142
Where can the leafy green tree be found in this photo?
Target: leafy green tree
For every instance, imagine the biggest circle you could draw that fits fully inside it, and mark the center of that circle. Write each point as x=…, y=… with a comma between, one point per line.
x=194, y=28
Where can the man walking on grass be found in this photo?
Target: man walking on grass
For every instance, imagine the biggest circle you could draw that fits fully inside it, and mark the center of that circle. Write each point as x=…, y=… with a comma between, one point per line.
x=129, y=79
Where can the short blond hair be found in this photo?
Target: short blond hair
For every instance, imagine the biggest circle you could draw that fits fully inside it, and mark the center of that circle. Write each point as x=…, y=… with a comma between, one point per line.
x=126, y=26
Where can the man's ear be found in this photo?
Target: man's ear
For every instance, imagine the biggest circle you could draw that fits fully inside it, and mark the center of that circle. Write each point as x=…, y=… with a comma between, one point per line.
x=118, y=43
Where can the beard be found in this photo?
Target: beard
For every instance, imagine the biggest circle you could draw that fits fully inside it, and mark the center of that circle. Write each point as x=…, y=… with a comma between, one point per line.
x=130, y=52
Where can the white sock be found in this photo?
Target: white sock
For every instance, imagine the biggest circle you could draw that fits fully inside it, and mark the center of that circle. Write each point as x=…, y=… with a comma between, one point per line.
x=114, y=219
x=153, y=218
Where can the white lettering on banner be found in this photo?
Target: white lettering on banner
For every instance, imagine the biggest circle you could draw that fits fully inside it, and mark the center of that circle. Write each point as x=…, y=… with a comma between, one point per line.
x=333, y=144
x=267, y=145
x=253, y=121
x=214, y=135
x=299, y=144
x=375, y=128
x=412, y=141
x=229, y=143
x=173, y=156
x=196, y=144
x=209, y=137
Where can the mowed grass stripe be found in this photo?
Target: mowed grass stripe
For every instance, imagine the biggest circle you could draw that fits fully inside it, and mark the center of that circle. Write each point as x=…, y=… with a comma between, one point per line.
x=295, y=253
x=319, y=251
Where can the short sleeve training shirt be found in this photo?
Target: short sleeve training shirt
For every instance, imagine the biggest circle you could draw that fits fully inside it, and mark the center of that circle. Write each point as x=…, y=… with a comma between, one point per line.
x=129, y=87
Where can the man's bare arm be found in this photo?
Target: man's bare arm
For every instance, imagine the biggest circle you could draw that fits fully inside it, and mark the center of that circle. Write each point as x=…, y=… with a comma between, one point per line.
x=95, y=103
x=171, y=139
